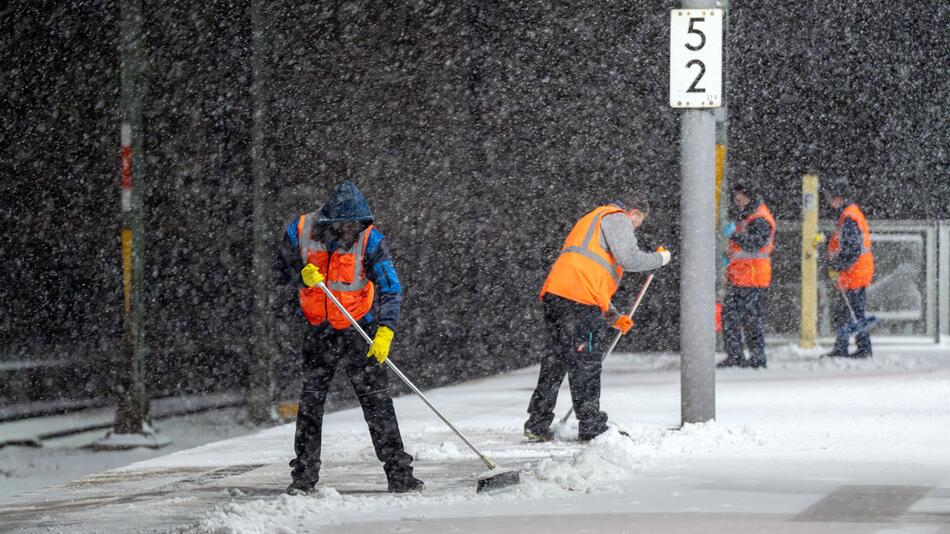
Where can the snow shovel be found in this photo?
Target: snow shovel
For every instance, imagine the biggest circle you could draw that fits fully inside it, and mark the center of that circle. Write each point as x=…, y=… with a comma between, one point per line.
x=613, y=344
x=496, y=477
x=855, y=326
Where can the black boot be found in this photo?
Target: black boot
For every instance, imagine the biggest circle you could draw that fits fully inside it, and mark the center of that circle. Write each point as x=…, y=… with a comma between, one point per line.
x=538, y=435
x=404, y=482
x=303, y=483
x=299, y=488
x=587, y=437
x=729, y=362
x=304, y=480
x=835, y=354
x=592, y=426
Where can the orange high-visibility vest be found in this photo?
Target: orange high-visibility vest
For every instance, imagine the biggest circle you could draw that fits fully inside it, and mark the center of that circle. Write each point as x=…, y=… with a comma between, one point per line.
x=861, y=271
x=344, y=277
x=585, y=272
x=752, y=269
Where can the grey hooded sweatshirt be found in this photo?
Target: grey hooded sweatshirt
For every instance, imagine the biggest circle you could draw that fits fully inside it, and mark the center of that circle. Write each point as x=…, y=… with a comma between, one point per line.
x=619, y=237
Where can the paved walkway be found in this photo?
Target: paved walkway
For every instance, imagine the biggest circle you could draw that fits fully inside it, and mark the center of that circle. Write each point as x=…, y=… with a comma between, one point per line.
x=813, y=448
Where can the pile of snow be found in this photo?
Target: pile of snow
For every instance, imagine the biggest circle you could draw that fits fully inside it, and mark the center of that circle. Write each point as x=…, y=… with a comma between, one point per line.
x=286, y=514
x=791, y=411
x=614, y=456
x=598, y=466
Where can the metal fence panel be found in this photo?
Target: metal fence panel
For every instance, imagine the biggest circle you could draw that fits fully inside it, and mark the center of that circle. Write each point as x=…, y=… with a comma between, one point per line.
x=943, y=275
x=903, y=294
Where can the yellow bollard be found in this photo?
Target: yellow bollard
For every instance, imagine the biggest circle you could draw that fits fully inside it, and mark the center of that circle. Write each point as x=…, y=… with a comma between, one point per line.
x=720, y=173
x=287, y=410
x=127, y=269
x=809, y=301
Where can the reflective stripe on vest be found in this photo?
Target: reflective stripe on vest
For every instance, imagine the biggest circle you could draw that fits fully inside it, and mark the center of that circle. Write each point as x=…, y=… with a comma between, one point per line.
x=356, y=296
x=585, y=271
x=307, y=245
x=584, y=249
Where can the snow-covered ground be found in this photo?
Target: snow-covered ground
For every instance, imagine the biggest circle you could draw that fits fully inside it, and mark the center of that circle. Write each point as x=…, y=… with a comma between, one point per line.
x=805, y=446
x=67, y=458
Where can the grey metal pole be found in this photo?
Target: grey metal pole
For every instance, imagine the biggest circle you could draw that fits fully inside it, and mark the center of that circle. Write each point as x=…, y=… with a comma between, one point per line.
x=132, y=411
x=261, y=389
x=698, y=257
x=131, y=428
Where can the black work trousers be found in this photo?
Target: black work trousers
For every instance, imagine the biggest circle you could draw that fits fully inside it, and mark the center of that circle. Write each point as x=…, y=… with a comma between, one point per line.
x=841, y=317
x=742, y=317
x=575, y=335
x=324, y=348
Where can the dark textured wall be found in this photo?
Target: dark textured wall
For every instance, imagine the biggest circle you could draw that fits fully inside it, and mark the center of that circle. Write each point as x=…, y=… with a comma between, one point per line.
x=844, y=87
x=479, y=131
x=60, y=296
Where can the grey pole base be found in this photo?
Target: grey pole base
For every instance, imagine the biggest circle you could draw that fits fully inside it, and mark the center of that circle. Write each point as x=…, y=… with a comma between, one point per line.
x=148, y=439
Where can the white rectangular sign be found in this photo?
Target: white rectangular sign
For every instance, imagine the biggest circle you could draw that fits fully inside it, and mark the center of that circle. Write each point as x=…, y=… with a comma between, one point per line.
x=696, y=58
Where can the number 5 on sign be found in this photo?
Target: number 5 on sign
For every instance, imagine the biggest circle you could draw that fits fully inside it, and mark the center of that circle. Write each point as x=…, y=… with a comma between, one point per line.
x=696, y=58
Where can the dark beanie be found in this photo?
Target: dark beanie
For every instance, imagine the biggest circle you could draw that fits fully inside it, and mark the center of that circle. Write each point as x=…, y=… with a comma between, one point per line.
x=745, y=188
x=837, y=186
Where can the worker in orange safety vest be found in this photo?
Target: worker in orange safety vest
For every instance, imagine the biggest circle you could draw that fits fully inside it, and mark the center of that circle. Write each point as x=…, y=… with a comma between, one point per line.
x=576, y=302
x=850, y=266
x=339, y=245
x=748, y=277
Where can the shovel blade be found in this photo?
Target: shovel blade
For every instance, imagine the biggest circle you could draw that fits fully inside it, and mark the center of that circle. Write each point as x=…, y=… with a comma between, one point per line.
x=497, y=478
x=858, y=327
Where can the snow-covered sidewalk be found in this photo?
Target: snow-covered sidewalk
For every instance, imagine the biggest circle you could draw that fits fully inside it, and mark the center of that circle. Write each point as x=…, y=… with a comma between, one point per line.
x=805, y=446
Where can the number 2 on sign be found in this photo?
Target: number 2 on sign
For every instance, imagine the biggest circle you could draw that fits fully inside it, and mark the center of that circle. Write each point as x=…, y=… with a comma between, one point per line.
x=695, y=48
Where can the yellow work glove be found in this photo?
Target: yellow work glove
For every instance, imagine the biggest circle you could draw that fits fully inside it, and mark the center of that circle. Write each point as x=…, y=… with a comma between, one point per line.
x=311, y=275
x=624, y=324
x=381, y=343
x=832, y=275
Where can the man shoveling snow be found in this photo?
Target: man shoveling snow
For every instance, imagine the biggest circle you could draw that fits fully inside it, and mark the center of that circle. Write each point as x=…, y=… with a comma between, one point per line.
x=341, y=241
x=576, y=298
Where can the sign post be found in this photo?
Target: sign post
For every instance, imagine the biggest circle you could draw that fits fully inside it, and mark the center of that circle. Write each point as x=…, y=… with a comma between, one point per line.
x=260, y=395
x=696, y=87
x=696, y=58
x=132, y=428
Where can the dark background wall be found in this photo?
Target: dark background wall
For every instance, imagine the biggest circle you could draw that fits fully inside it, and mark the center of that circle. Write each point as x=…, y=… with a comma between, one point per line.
x=479, y=131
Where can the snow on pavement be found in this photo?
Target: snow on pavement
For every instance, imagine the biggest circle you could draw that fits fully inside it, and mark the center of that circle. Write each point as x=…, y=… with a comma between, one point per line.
x=785, y=412
x=787, y=442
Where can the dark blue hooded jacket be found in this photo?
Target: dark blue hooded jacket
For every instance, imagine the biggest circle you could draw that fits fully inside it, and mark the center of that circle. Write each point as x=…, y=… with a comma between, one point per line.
x=345, y=204
x=757, y=232
x=851, y=243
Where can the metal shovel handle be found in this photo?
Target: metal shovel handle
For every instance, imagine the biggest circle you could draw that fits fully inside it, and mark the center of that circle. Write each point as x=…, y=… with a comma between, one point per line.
x=613, y=344
x=847, y=302
x=488, y=462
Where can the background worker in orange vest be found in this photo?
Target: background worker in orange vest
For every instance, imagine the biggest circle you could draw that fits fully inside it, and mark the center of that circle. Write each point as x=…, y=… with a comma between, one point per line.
x=576, y=299
x=340, y=246
x=748, y=276
x=850, y=265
